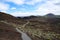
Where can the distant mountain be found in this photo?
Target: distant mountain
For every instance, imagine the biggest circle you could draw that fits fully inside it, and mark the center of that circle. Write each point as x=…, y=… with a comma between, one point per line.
x=50, y=15
x=27, y=17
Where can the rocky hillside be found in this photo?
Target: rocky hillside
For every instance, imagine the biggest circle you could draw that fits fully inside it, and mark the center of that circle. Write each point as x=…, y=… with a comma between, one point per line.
x=8, y=31
x=10, y=18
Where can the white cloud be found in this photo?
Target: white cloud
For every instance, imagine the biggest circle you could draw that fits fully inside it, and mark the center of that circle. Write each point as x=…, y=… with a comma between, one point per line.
x=33, y=2
x=13, y=8
x=19, y=2
x=4, y=7
x=55, y=1
x=18, y=13
x=48, y=7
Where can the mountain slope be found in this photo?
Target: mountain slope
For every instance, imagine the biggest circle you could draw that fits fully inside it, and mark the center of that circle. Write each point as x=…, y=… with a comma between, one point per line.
x=10, y=18
x=8, y=31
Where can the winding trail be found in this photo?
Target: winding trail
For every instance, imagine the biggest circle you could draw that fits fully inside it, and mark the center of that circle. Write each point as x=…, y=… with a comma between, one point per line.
x=25, y=24
x=24, y=35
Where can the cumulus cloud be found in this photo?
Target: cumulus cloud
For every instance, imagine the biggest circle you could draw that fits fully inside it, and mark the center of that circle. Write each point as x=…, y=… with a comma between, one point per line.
x=57, y=4
x=49, y=7
x=18, y=2
x=33, y=2
x=4, y=7
x=55, y=1
x=19, y=13
x=13, y=8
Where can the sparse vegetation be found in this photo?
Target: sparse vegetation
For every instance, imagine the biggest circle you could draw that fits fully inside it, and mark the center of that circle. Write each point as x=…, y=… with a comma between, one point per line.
x=38, y=28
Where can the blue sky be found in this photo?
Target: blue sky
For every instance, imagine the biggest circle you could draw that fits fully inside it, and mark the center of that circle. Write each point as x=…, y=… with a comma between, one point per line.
x=30, y=7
